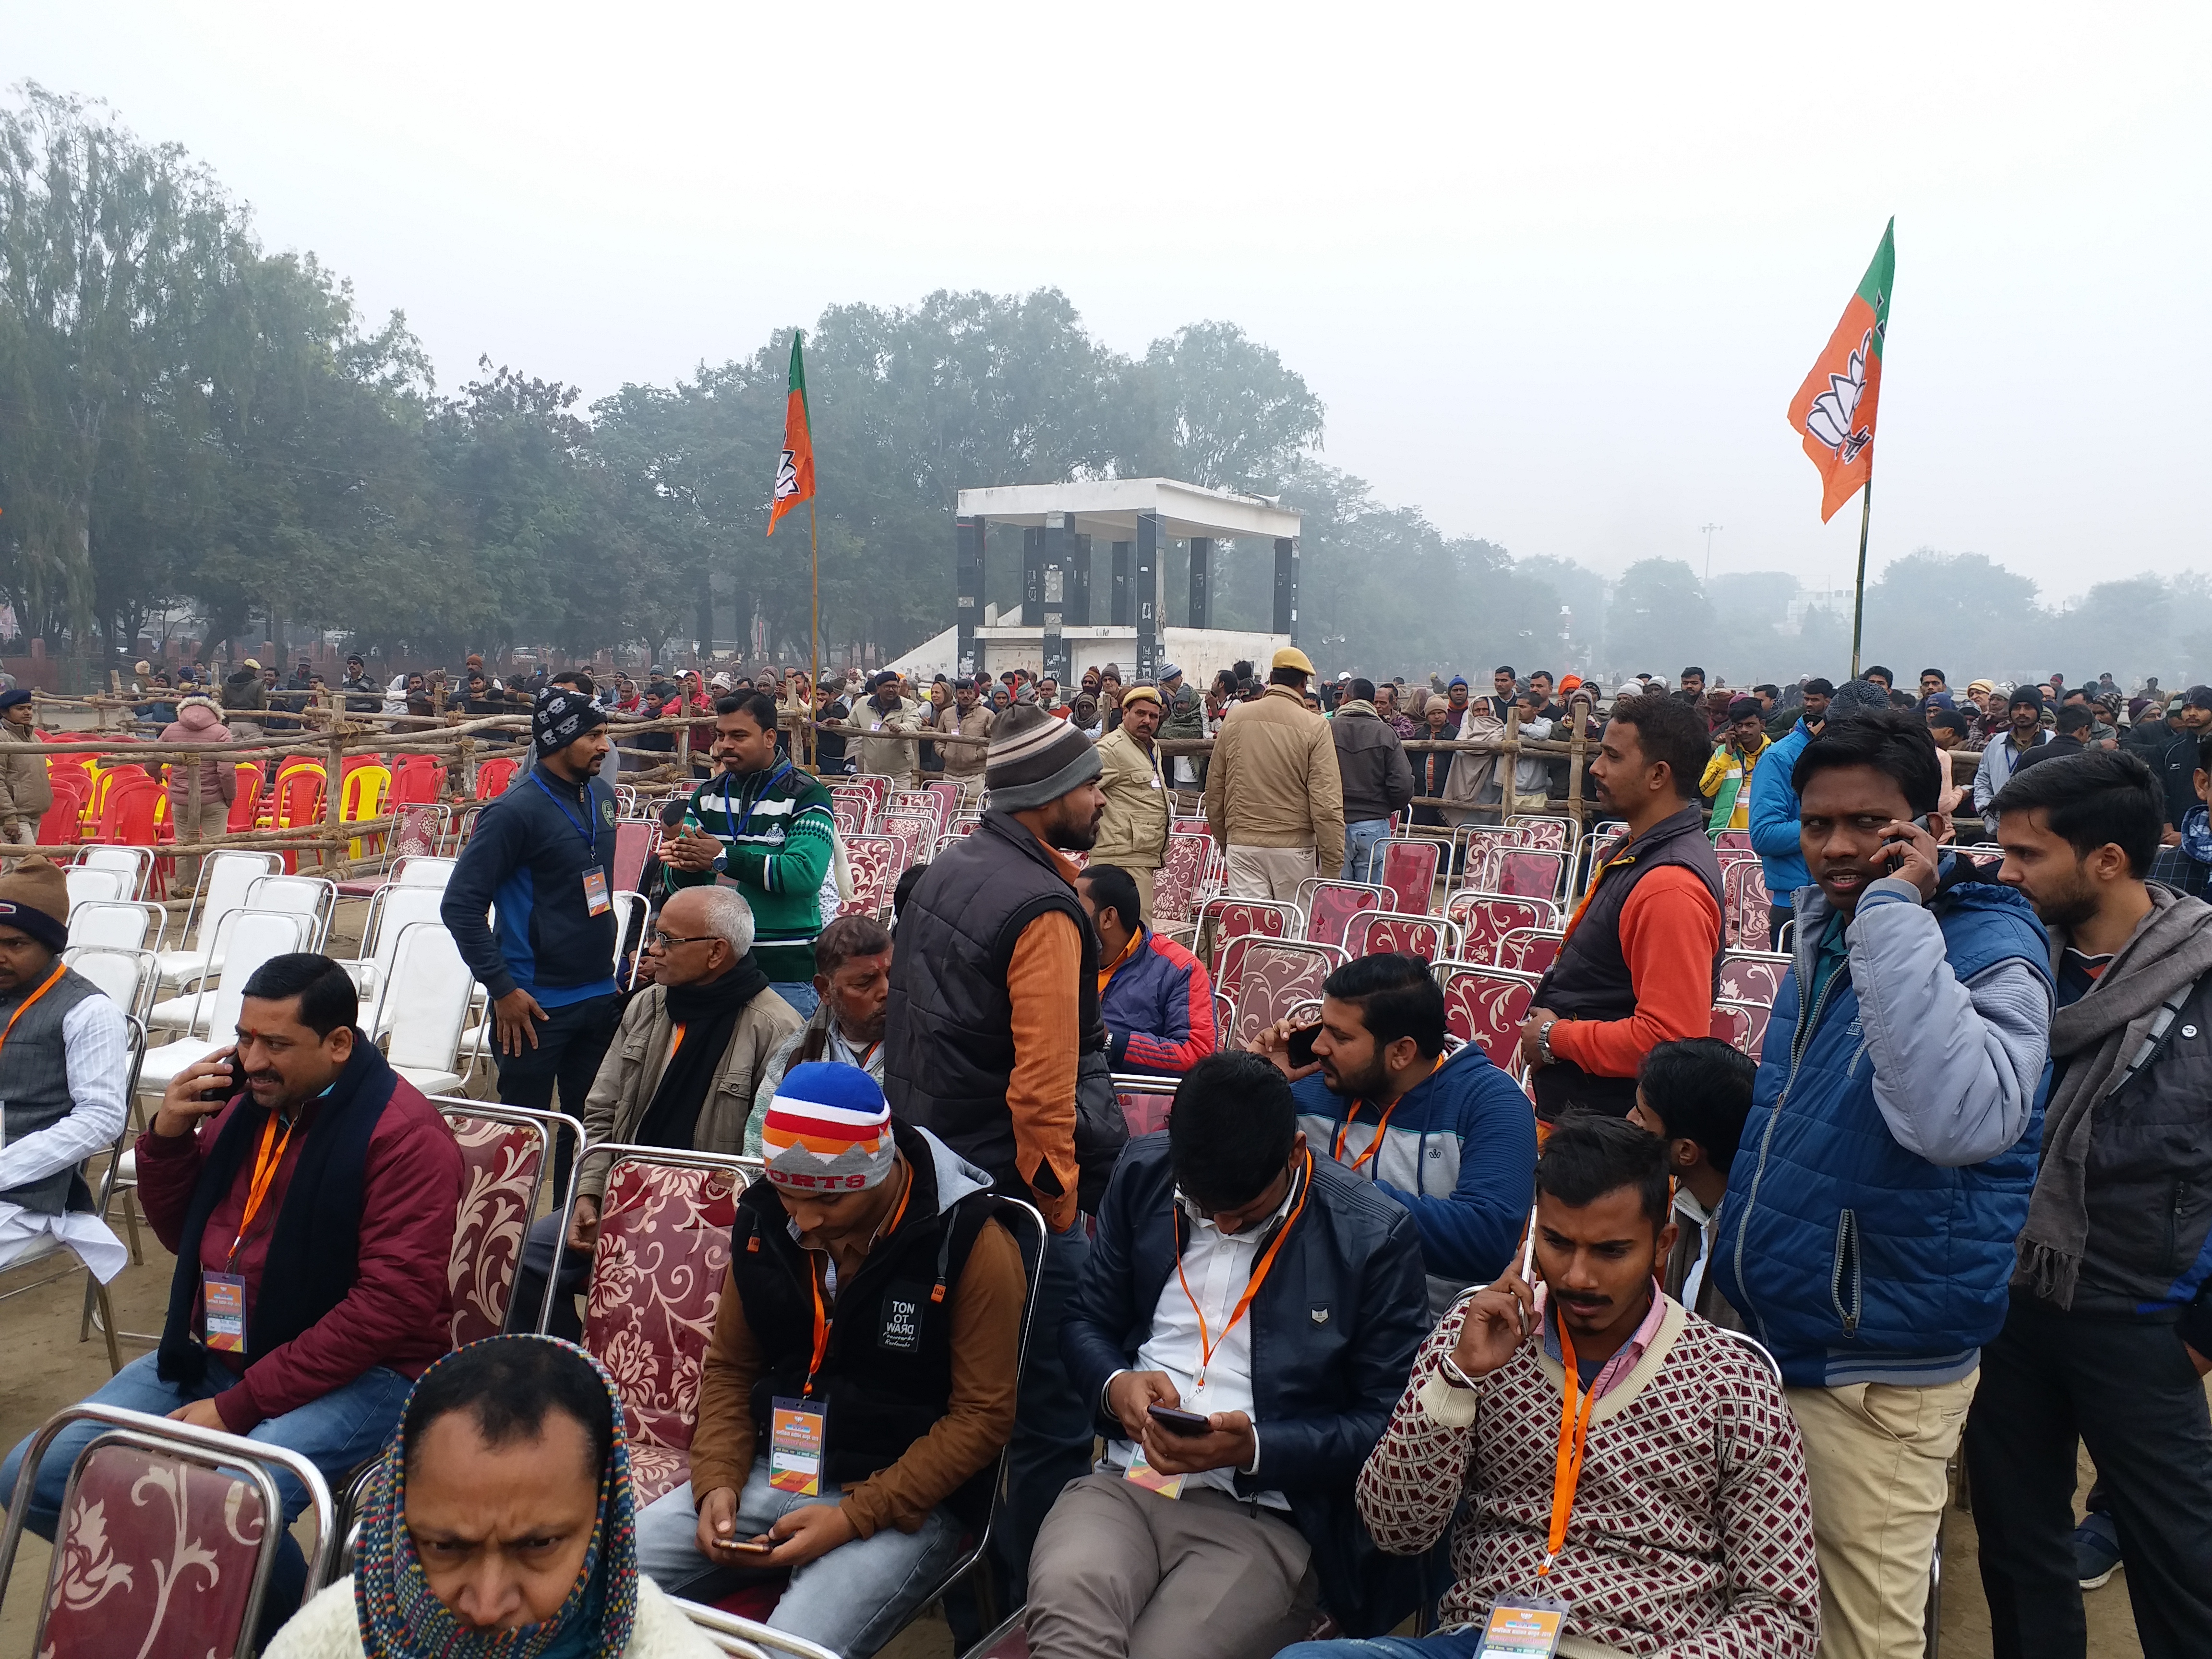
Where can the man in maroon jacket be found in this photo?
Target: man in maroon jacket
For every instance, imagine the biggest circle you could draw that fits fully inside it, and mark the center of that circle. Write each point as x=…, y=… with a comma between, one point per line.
x=311, y=1216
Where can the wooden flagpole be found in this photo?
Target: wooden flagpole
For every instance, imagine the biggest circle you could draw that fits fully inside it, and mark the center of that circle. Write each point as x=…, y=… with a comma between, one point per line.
x=1858, y=598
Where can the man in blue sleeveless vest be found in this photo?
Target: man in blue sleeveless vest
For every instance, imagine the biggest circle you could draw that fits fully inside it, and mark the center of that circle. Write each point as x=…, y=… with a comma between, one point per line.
x=1884, y=1172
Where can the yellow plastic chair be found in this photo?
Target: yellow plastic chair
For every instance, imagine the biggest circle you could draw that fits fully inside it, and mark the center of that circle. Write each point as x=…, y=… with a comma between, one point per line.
x=365, y=789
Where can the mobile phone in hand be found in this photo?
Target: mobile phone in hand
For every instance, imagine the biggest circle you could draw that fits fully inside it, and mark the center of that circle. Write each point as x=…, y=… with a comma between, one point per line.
x=749, y=1546
x=1302, y=1043
x=1186, y=1424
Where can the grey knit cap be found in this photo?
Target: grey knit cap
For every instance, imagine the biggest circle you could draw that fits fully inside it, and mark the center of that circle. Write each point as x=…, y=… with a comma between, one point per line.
x=1035, y=757
x=1856, y=697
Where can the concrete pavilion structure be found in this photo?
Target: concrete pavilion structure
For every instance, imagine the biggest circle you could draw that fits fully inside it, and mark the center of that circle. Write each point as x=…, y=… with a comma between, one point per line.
x=1061, y=631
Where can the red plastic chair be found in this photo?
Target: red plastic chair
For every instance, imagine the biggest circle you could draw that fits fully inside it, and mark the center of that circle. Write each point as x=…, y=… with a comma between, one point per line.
x=656, y=1283
x=245, y=800
x=418, y=780
x=493, y=776
x=1487, y=1006
x=58, y=827
x=1409, y=869
x=126, y=813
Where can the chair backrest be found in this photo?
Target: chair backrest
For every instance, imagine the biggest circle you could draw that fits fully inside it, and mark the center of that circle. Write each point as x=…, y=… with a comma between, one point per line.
x=1732, y=1025
x=1481, y=842
x=917, y=830
x=1272, y=977
x=127, y=976
x=246, y=798
x=362, y=795
x=1530, y=950
x=300, y=799
x=633, y=841
x=127, y=808
x=1221, y=920
x=1330, y=906
x=1527, y=872
x=850, y=820
x=419, y=831
x=1409, y=869
x=392, y=908
x=1430, y=937
x=1487, y=1006
x=1755, y=1017
x=64, y=822
x=493, y=776
x=312, y=896
x=423, y=870
x=505, y=1153
x=1744, y=906
x=1145, y=1102
x=168, y=1535
x=860, y=803
x=919, y=800
x=115, y=925
x=133, y=864
x=874, y=862
x=1554, y=834
x=1175, y=889
x=629, y=908
x=246, y=939
x=877, y=785
x=417, y=780
x=656, y=1282
x=224, y=877
x=425, y=1000
x=89, y=886
x=1486, y=918
x=1751, y=976
x=1733, y=840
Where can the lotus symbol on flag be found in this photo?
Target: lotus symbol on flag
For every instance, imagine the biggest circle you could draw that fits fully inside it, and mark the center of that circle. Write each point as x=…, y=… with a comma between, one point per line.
x=787, y=470
x=1830, y=417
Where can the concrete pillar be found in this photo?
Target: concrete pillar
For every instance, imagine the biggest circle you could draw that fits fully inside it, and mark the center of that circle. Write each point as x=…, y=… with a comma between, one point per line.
x=968, y=535
x=1286, y=587
x=1202, y=555
x=1032, y=575
x=1055, y=565
x=1078, y=582
x=1118, y=614
x=1144, y=596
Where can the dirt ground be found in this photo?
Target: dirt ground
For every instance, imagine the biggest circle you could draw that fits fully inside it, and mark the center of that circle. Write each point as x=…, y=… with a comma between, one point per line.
x=46, y=1368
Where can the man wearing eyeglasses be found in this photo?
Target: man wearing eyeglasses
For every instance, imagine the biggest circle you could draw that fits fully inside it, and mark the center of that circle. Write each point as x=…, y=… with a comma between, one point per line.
x=681, y=1072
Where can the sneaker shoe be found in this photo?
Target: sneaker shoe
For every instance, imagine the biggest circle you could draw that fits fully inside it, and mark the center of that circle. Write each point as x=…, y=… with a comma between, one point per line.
x=2096, y=1551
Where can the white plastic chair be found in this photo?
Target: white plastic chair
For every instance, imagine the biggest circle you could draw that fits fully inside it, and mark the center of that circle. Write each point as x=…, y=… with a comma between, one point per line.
x=126, y=976
x=425, y=1004
x=224, y=877
x=312, y=896
x=421, y=870
x=134, y=864
x=393, y=908
x=115, y=925
x=249, y=938
x=94, y=886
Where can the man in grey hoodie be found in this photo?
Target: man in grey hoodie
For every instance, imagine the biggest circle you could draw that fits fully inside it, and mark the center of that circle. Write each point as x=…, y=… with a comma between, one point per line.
x=1378, y=779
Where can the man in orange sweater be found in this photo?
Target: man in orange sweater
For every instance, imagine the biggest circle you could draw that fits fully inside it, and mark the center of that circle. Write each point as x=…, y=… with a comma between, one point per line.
x=1643, y=953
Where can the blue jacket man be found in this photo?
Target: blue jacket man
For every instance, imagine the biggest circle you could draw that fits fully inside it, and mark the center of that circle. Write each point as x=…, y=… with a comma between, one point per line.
x=543, y=855
x=1451, y=1137
x=1885, y=1168
x=1238, y=1277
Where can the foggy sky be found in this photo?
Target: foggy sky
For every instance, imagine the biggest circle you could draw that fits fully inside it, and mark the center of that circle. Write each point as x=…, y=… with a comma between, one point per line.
x=1555, y=272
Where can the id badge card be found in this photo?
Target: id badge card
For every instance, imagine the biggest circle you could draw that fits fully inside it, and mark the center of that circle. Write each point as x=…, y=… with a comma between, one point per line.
x=222, y=1298
x=794, y=1447
x=1525, y=1627
x=595, y=891
x=1144, y=1474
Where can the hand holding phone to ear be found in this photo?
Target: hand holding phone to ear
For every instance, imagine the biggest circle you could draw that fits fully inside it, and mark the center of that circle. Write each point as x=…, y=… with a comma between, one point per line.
x=1911, y=852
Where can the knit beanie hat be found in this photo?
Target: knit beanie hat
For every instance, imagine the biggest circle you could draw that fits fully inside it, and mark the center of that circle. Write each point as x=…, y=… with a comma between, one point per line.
x=827, y=1130
x=1034, y=758
x=1856, y=697
x=563, y=716
x=35, y=900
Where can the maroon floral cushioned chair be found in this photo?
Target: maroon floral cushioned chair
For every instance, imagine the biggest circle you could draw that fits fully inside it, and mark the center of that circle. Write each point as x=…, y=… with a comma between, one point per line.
x=1409, y=869
x=1755, y=1016
x=1430, y=937
x=879, y=788
x=164, y=1550
x=875, y=862
x=657, y=1277
x=1527, y=872
x=1744, y=906
x=1487, y=917
x=1175, y=889
x=917, y=830
x=1487, y=1006
x=504, y=1154
x=1145, y=1101
x=1733, y=840
x=1752, y=977
x=1331, y=906
x=1222, y=920
x=1530, y=950
x=1554, y=834
x=1732, y=1025
x=860, y=803
x=1275, y=977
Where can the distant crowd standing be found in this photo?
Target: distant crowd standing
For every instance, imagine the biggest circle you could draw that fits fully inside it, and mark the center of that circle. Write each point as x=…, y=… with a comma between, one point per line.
x=1635, y=1346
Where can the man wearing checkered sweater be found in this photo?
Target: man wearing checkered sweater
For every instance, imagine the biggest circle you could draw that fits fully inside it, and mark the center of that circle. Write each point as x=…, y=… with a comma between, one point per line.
x=1685, y=1532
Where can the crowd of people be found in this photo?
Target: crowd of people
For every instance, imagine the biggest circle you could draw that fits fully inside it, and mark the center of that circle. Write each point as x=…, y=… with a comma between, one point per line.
x=1634, y=1343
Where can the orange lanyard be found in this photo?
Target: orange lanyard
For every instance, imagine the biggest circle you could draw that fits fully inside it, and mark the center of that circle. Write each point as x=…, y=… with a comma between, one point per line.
x=1574, y=1432
x=1207, y=1344
x=1344, y=1129
x=822, y=1320
x=45, y=985
x=264, y=1174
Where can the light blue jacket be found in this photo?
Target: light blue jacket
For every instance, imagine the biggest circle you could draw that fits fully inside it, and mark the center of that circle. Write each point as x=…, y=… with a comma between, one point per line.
x=1774, y=815
x=1885, y=1168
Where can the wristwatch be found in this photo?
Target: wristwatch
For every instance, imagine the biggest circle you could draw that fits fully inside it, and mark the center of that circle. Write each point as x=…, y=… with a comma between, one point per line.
x=1544, y=1041
x=721, y=866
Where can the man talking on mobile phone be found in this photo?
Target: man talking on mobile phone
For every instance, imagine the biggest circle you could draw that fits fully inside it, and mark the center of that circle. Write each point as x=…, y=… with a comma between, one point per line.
x=1866, y=1235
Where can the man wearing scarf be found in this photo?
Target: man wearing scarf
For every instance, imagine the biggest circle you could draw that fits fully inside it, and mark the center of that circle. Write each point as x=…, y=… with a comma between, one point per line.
x=680, y=1072
x=2108, y=1333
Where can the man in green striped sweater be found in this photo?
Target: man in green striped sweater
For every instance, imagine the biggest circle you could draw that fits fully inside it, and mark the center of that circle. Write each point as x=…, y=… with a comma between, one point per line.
x=762, y=826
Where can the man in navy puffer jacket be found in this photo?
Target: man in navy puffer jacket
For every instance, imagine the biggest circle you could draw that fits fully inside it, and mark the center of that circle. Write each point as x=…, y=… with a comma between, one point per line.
x=1885, y=1170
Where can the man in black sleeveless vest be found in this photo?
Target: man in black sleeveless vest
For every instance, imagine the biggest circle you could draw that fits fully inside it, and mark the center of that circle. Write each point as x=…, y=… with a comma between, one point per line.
x=1643, y=955
x=995, y=1045
x=868, y=1281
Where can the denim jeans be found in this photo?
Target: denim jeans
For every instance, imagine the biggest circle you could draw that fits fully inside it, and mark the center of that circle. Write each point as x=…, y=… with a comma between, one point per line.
x=343, y=1428
x=1052, y=1431
x=799, y=994
x=851, y=1600
x=1360, y=840
x=571, y=1043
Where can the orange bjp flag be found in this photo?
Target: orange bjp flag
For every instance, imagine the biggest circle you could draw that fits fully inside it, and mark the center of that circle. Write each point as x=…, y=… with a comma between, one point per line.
x=1835, y=408
x=794, y=470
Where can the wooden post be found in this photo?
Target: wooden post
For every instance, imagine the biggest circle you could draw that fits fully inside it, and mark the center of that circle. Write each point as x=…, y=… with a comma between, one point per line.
x=1510, y=781
x=1576, y=745
x=334, y=794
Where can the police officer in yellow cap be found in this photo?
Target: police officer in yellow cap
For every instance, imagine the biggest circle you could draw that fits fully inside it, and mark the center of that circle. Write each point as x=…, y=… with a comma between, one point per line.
x=1274, y=798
